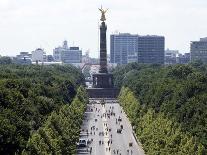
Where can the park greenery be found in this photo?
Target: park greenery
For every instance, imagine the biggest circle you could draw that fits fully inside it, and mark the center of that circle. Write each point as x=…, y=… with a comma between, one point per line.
x=166, y=105
x=41, y=108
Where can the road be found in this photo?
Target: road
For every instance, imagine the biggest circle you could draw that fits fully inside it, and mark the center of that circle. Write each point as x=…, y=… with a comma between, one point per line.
x=101, y=123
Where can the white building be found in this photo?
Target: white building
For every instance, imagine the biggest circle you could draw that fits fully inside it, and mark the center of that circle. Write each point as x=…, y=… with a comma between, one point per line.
x=57, y=52
x=86, y=58
x=67, y=54
x=171, y=56
x=72, y=55
x=38, y=55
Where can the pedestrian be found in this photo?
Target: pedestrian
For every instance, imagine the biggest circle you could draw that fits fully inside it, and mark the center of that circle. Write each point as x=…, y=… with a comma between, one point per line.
x=127, y=151
x=117, y=151
x=109, y=149
x=90, y=150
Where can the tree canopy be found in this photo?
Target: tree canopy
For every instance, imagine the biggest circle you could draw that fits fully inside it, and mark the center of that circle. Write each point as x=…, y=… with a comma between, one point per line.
x=30, y=99
x=167, y=105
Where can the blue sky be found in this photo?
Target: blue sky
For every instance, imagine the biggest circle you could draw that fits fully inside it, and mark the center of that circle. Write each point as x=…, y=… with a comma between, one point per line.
x=29, y=24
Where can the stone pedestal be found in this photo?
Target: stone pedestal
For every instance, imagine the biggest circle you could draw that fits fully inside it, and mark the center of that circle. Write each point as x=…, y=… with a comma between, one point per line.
x=103, y=92
x=102, y=80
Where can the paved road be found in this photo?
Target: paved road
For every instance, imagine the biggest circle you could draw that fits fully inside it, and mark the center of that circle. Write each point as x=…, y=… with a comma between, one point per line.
x=101, y=123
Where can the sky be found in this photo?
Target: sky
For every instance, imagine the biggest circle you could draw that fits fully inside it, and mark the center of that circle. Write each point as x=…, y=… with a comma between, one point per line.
x=29, y=24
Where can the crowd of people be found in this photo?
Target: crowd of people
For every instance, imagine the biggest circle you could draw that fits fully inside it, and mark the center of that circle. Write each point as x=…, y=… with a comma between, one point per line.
x=104, y=113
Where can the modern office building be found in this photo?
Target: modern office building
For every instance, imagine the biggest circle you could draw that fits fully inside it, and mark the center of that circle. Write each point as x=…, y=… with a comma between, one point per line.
x=126, y=48
x=24, y=58
x=151, y=49
x=72, y=55
x=49, y=58
x=58, y=51
x=123, y=48
x=22, y=61
x=174, y=57
x=171, y=56
x=198, y=50
x=24, y=54
x=67, y=54
x=183, y=58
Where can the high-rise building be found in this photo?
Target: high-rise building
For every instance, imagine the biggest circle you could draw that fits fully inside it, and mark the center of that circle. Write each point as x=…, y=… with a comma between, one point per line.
x=199, y=50
x=151, y=49
x=123, y=48
x=67, y=54
x=126, y=48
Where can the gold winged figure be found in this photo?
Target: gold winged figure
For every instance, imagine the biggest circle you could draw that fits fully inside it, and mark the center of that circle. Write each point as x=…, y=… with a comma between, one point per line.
x=103, y=12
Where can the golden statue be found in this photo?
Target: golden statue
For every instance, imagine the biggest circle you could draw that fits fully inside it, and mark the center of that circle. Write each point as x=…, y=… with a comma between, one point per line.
x=103, y=12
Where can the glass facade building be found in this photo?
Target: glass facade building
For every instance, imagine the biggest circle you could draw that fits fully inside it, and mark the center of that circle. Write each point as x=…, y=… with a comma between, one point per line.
x=199, y=50
x=72, y=55
x=126, y=48
x=67, y=54
x=151, y=49
x=123, y=48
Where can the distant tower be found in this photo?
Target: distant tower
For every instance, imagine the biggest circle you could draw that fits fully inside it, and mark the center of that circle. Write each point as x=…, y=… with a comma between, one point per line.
x=65, y=44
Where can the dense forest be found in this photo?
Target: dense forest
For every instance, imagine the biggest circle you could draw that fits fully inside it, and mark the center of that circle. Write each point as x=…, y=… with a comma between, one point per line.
x=166, y=105
x=41, y=108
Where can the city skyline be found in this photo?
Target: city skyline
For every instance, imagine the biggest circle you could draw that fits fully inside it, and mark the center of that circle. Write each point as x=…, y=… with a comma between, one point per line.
x=27, y=25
